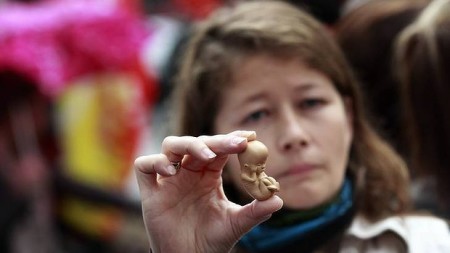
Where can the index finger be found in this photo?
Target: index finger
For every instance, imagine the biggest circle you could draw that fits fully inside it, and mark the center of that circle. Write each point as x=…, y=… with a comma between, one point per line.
x=205, y=147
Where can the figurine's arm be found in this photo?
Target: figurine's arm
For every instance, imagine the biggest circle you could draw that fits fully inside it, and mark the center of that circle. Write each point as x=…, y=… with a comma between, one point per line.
x=270, y=183
x=249, y=173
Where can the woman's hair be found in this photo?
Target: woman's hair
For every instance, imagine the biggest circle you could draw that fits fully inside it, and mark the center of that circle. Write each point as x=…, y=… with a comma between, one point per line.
x=272, y=27
x=367, y=37
x=423, y=60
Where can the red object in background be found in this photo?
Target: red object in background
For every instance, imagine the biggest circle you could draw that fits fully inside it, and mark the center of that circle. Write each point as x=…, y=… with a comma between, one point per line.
x=133, y=6
x=196, y=9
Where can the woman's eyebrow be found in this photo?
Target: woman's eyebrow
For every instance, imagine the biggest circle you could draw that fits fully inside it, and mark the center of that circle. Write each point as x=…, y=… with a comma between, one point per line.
x=247, y=100
x=255, y=97
x=306, y=86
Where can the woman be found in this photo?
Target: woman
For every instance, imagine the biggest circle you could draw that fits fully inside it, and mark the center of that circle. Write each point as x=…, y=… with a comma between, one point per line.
x=367, y=36
x=270, y=68
x=422, y=63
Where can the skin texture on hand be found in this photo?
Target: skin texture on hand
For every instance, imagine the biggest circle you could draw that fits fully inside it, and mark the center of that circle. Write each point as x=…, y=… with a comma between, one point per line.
x=254, y=179
x=187, y=210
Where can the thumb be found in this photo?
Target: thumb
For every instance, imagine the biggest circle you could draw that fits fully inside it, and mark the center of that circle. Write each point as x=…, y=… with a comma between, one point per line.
x=256, y=212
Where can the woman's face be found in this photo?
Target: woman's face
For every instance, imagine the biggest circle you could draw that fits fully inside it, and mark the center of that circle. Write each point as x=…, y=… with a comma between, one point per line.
x=301, y=118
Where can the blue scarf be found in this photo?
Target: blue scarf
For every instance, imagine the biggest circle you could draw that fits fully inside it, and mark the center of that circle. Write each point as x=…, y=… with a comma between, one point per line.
x=264, y=238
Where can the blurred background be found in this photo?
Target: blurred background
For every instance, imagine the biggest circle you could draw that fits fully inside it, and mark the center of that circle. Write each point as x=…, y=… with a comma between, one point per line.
x=84, y=86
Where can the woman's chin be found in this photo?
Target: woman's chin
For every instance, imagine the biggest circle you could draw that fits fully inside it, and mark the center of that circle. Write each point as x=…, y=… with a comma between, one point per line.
x=302, y=201
x=306, y=205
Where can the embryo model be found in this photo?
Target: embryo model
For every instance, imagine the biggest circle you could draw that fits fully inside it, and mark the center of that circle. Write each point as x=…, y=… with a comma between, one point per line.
x=254, y=179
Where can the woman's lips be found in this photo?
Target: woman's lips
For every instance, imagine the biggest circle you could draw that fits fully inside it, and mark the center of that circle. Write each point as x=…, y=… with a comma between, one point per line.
x=300, y=169
x=296, y=170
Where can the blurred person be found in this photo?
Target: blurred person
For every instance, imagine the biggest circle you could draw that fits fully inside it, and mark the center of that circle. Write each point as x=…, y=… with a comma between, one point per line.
x=422, y=62
x=27, y=157
x=84, y=55
x=327, y=12
x=267, y=70
x=367, y=36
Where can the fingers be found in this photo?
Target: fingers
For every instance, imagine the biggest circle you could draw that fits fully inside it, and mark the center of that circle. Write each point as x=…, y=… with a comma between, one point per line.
x=152, y=164
x=256, y=212
x=250, y=135
x=146, y=168
x=203, y=150
x=175, y=148
x=205, y=147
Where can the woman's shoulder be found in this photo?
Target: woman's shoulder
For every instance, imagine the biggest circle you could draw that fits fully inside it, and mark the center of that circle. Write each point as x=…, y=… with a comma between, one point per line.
x=408, y=233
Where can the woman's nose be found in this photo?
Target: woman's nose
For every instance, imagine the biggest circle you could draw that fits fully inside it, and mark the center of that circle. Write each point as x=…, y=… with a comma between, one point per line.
x=292, y=131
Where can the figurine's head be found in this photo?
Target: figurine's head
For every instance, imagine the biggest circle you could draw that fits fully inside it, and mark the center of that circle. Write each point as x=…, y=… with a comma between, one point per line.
x=256, y=153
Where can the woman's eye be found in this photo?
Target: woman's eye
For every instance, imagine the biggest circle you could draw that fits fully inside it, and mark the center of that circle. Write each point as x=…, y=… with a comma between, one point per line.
x=256, y=116
x=311, y=103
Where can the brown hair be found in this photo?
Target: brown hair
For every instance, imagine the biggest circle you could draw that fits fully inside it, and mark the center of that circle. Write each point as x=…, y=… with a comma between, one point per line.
x=423, y=61
x=367, y=37
x=277, y=28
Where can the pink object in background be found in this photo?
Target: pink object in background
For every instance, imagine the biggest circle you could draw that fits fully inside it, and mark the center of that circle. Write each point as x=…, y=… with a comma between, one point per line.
x=54, y=42
x=85, y=56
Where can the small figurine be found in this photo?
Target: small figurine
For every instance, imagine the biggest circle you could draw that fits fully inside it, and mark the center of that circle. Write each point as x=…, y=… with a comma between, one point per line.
x=254, y=179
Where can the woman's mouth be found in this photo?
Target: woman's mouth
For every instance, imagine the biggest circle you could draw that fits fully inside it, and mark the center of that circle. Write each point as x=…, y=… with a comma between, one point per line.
x=300, y=169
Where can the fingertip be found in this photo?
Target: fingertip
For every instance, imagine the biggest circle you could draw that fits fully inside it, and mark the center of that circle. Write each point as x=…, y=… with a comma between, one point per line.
x=270, y=205
x=236, y=141
x=263, y=209
x=171, y=170
x=138, y=162
x=207, y=153
x=154, y=164
x=258, y=211
x=250, y=135
x=278, y=201
x=274, y=203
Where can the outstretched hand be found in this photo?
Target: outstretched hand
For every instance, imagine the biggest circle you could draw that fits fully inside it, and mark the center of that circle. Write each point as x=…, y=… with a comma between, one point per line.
x=185, y=209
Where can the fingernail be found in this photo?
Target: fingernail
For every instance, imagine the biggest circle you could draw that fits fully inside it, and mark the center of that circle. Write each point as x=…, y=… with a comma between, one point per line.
x=171, y=169
x=208, y=153
x=252, y=135
x=250, y=132
x=237, y=140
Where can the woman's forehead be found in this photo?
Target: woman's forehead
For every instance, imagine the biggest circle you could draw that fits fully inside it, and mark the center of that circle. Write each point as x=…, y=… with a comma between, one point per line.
x=264, y=68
